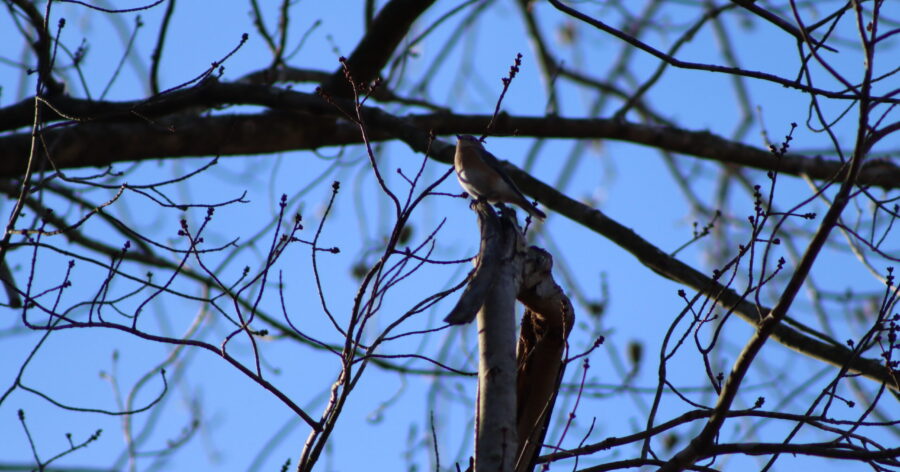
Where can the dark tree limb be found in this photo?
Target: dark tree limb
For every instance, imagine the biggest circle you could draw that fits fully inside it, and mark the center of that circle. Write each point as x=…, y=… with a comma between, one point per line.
x=377, y=47
x=143, y=121
x=546, y=325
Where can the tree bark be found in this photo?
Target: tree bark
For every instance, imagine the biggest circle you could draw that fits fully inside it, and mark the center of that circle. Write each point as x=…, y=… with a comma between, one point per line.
x=496, y=441
x=541, y=353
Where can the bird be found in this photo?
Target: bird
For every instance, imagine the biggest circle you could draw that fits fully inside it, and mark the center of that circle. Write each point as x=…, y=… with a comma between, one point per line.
x=480, y=175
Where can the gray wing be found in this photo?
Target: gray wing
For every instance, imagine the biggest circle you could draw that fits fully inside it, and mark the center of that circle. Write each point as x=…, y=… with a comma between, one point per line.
x=492, y=161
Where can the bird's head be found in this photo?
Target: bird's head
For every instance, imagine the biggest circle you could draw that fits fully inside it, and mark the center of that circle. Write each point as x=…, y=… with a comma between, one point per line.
x=466, y=140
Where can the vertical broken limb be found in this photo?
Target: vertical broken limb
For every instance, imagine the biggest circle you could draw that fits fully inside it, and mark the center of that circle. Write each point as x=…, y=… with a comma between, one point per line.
x=545, y=328
x=496, y=443
x=517, y=384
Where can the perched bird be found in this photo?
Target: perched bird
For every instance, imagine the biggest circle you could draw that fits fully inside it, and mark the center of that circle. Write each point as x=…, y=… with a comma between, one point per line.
x=480, y=175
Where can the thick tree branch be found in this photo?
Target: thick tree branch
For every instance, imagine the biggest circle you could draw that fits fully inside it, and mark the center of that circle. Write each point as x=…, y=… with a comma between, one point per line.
x=134, y=125
x=378, y=45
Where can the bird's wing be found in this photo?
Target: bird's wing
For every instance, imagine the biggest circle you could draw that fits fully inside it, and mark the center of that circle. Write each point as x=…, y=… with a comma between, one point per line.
x=492, y=161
